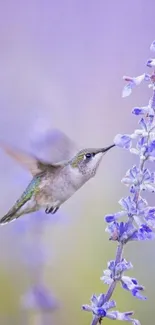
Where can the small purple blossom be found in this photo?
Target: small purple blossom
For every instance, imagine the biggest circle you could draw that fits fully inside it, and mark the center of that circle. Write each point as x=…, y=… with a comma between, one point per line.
x=134, y=210
x=133, y=82
x=115, y=271
x=123, y=141
x=126, y=316
x=132, y=285
x=98, y=310
x=122, y=232
x=143, y=233
x=133, y=207
x=138, y=180
x=102, y=312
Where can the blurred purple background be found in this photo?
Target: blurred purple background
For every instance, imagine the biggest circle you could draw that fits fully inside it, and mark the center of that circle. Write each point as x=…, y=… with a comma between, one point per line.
x=62, y=62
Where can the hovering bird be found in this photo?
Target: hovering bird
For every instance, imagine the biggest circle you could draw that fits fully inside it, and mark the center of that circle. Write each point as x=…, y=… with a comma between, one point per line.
x=53, y=182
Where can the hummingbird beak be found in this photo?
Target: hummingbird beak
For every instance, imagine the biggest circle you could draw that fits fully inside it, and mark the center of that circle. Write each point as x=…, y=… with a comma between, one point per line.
x=103, y=150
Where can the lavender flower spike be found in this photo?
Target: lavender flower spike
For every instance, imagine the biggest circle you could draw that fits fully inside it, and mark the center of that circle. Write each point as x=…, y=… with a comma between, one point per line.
x=139, y=216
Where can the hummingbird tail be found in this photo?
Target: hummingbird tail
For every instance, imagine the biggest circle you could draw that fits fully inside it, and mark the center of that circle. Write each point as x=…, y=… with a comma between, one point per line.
x=16, y=211
x=25, y=204
x=10, y=216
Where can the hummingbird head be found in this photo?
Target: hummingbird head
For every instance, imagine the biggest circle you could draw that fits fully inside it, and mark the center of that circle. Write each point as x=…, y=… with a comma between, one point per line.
x=88, y=160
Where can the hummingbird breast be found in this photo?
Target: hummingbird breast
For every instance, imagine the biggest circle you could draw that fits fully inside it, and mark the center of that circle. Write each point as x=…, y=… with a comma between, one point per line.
x=56, y=187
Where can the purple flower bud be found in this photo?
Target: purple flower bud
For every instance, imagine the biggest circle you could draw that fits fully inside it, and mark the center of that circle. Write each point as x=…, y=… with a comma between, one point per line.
x=151, y=63
x=114, y=217
x=152, y=47
x=86, y=308
x=127, y=90
x=123, y=266
x=128, y=205
x=150, y=217
x=107, y=277
x=94, y=300
x=111, y=265
x=136, y=294
x=151, y=148
x=143, y=124
x=139, y=110
x=97, y=301
x=141, y=143
x=110, y=218
x=109, y=304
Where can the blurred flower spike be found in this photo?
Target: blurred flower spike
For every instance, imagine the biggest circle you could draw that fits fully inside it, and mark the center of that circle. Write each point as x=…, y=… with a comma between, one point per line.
x=138, y=216
x=39, y=298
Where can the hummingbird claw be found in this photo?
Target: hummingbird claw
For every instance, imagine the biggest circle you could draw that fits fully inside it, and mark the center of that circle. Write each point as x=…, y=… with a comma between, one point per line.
x=51, y=210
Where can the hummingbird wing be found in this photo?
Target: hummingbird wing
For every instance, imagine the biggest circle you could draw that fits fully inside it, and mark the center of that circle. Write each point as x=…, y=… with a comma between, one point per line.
x=27, y=160
x=52, y=145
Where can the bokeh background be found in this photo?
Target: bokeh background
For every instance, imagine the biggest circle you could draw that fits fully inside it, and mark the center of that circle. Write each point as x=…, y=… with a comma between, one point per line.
x=62, y=62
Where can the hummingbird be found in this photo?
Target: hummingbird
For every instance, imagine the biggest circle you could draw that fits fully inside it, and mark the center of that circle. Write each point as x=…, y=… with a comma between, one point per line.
x=52, y=183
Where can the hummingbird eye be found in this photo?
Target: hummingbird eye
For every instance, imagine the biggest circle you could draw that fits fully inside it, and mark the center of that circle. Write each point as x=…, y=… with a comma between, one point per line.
x=89, y=155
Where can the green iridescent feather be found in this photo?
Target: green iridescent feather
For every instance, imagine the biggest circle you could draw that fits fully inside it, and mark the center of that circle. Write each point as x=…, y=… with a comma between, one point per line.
x=26, y=196
x=77, y=159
